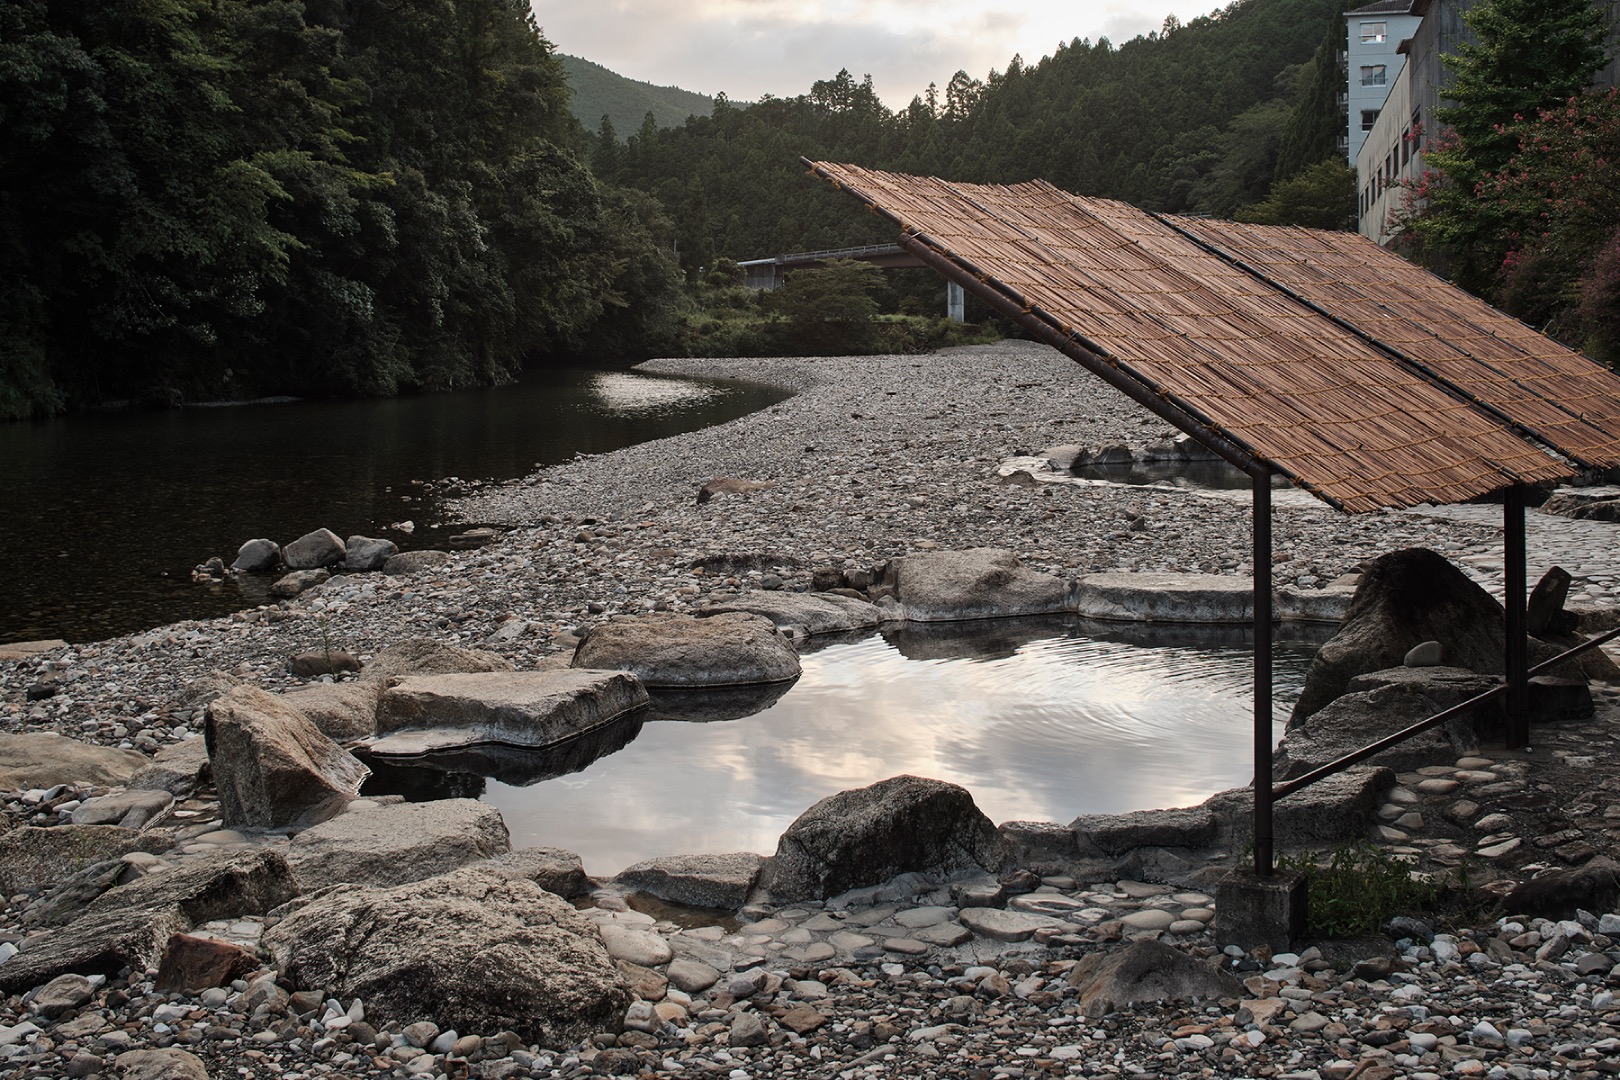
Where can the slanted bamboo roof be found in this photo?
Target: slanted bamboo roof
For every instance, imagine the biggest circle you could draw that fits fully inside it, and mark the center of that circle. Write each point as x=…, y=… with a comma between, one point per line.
x=1317, y=355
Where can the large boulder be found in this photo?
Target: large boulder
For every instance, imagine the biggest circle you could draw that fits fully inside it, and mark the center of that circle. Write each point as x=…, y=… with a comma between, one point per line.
x=272, y=768
x=130, y=925
x=1144, y=973
x=214, y=885
x=1405, y=598
x=367, y=553
x=94, y=945
x=427, y=713
x=313, y=551
x=257, y=556
x=980, y=583
x=44, y=759
x=664, y=649
x=869, y=835
x=805, y=614
x=399, y=842
x=469, y=950
x=1381, y=703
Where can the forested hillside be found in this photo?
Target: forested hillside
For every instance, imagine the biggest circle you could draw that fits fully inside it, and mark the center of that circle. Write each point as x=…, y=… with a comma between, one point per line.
x=598, y=92
x=223, y=198
x=1190, y=120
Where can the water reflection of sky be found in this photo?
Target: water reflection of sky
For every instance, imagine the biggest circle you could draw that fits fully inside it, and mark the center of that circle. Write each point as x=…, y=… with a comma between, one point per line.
x=626, y=394
x=1064, y=726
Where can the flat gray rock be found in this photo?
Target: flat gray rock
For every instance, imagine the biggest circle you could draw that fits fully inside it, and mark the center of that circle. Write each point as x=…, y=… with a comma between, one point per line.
x=1332, y=810
x=94, y=945
x=805, y=614
x=398, y=843
x=425, y=713
x=711, y=881
x=177, y=768
x=1148, y=597
x=132, y=809
x=44, y=759
x=634, y=945
x=33, y=858
x=345, y=712
x=1003, y=925
x=664, y=649
x=468, y=950
x=1380, y=704
x=1116, y=834
x=980, y=583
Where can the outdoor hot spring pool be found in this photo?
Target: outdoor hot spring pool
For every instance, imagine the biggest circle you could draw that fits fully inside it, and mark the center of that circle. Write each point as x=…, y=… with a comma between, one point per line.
x=1041, y=719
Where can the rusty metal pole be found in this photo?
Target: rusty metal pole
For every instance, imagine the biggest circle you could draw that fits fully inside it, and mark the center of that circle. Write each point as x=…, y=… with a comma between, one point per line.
x=1516, y=581
x=1263, y=864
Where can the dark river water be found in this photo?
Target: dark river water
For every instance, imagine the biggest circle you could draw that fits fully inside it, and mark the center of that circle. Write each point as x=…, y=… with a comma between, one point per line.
x=102, y=516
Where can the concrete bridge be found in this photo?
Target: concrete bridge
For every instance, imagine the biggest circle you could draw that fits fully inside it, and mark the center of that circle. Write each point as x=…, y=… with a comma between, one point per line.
x=770, y=273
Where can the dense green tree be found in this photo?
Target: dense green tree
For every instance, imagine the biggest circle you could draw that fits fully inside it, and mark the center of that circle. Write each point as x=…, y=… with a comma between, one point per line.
x=229, y=197
x=1529, y=55
x=829, y=309
x=1321, y=196
x=1316, y=121
x=1187, y=120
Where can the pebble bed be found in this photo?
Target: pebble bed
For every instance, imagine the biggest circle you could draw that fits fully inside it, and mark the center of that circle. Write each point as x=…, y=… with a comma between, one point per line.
x=876, y=457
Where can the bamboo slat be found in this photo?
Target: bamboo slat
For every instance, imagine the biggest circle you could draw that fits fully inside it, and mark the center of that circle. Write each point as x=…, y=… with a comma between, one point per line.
x=1361, y=378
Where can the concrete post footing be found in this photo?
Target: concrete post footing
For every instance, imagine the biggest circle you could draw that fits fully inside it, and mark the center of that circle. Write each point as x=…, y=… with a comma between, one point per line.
x=1252, y=910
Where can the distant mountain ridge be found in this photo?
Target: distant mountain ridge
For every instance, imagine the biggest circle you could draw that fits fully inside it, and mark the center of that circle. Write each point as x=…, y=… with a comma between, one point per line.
x=598, y=92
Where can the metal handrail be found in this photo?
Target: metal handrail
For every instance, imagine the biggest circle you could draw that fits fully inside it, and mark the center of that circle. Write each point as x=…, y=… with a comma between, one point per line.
x=1436, y=720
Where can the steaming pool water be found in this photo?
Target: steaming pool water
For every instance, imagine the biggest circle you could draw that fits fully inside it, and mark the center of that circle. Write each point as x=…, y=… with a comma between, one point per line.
x=1041, y=719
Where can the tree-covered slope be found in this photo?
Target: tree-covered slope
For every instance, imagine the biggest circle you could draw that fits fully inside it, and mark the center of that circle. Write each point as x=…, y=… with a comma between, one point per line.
x=598, y=92
x=224, y=198
x=1188, y=120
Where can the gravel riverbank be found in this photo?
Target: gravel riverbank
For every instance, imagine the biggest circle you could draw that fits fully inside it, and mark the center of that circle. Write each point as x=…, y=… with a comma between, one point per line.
x=873, y=458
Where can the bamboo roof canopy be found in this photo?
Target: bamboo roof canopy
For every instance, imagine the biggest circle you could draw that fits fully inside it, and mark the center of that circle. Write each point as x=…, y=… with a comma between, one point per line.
x=1318, y=355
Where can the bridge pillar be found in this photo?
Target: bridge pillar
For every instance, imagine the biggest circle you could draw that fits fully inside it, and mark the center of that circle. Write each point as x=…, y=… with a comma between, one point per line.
x=955, y=302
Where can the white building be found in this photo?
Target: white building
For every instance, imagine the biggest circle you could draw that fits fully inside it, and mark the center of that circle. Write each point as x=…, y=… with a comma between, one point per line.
x=1375, y=33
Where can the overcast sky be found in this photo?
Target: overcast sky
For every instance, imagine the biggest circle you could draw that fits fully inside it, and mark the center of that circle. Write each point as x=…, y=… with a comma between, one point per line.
x=748, y=48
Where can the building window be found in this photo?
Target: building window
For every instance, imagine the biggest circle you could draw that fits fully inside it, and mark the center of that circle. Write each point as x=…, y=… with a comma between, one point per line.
x=1372, y=32
x=1369, y=117
x=1372, y=75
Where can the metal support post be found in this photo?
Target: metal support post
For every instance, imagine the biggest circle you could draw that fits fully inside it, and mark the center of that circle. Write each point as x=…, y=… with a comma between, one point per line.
x=955, y=302
x=1262, y=674
x=1516, y=582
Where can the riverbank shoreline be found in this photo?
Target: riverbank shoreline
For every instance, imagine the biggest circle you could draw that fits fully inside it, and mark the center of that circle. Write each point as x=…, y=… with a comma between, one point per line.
x=875, y=457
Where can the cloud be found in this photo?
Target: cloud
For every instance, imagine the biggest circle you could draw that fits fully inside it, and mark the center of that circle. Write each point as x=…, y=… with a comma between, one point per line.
x=749, y=48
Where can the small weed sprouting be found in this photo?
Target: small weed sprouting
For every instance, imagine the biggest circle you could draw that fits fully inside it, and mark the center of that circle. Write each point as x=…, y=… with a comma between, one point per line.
x=1360, y=889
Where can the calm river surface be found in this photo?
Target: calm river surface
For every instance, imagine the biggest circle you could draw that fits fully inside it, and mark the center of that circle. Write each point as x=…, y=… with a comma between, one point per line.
x=1041, y=719
x=102, y=516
